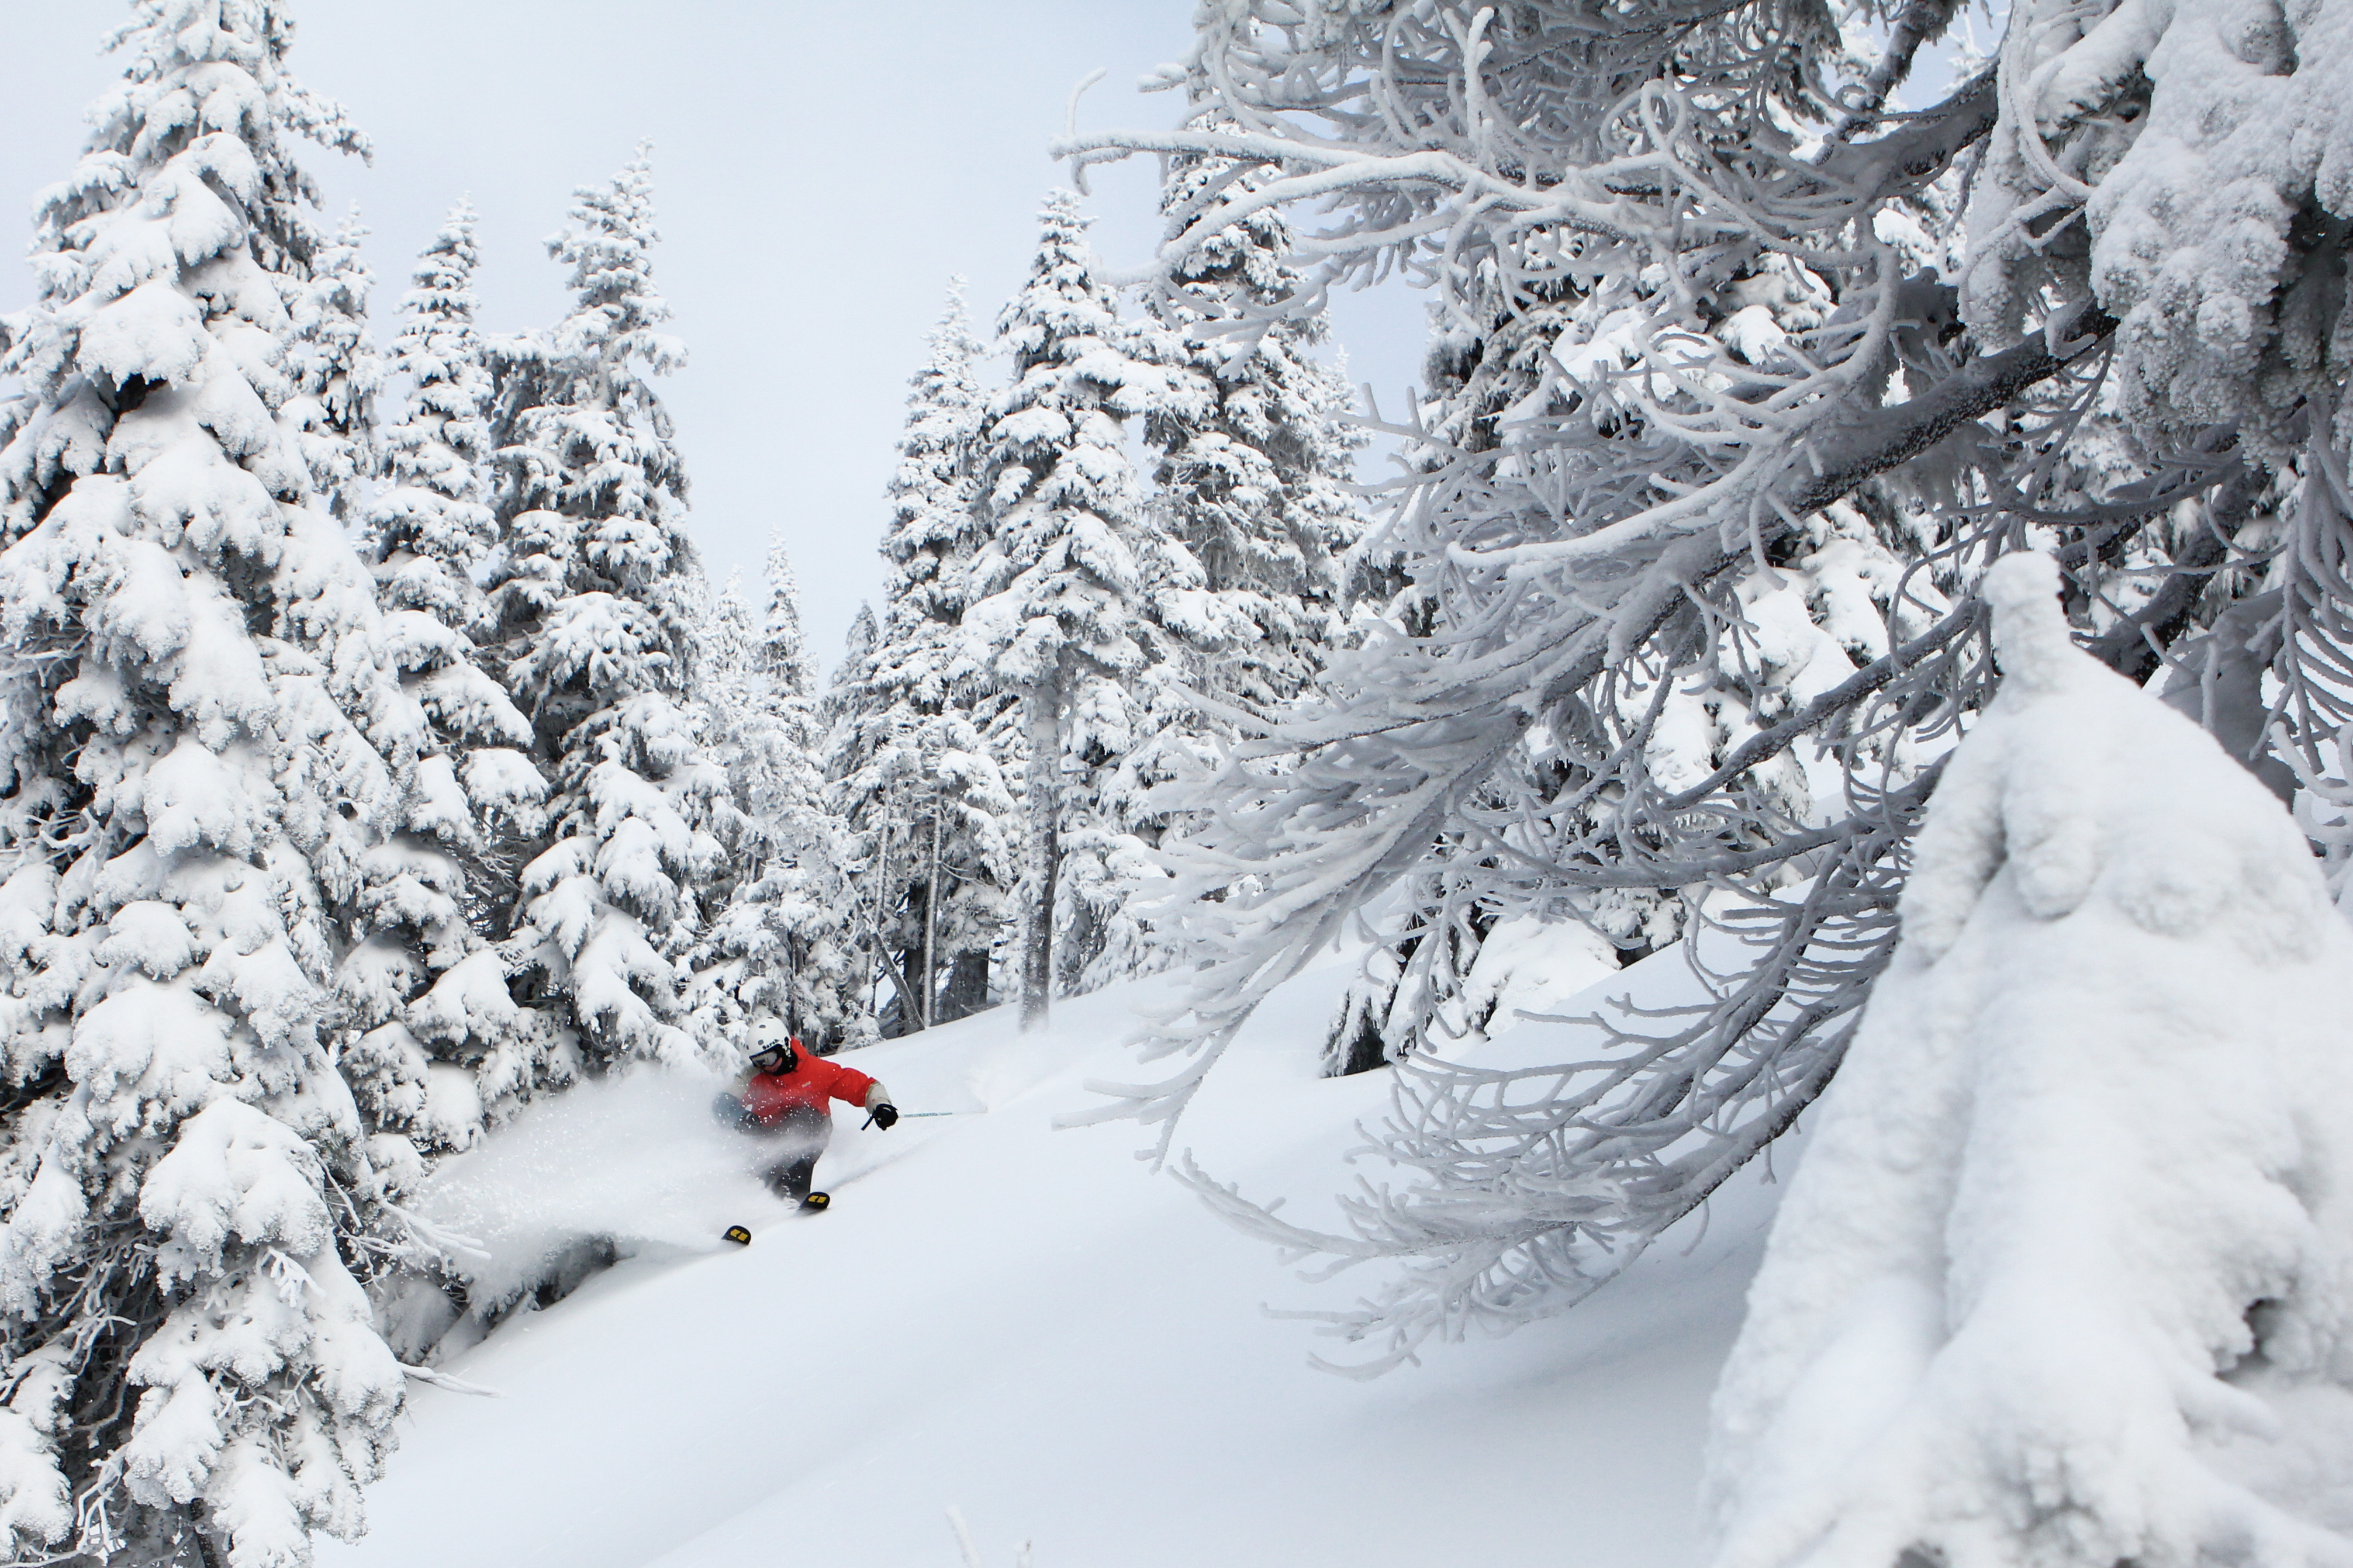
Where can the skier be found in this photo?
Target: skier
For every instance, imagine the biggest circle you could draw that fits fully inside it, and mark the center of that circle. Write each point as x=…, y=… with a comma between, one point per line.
x=786, y=1100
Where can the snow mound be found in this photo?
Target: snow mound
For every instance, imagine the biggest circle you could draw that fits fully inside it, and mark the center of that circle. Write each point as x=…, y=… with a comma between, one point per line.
x=636, y=1163
x=2062, y=1277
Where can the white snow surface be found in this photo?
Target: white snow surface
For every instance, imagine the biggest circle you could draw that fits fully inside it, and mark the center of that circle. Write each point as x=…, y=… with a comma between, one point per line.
x=1031, y=1326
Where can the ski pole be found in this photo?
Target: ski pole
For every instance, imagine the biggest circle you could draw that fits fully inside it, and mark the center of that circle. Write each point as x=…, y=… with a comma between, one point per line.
x=904, y=1114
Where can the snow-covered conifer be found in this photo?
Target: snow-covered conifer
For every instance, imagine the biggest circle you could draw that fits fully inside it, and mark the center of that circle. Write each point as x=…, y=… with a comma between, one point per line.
x=594, y=630
x=916, y=781
x=1827, y=609
x=1069, y=590
x=431, y=530
x=337, y=373
x=729, y=945
x=728, y=646
x=785, y=660
x=435, y=988
x=1252, y=456
x=1254, y=453
x=200, y=743
x=2060, y=1278
x=780, y=929
x=857, y=647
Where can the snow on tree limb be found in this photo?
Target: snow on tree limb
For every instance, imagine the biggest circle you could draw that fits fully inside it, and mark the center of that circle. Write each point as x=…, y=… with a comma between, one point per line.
x=1745, y=368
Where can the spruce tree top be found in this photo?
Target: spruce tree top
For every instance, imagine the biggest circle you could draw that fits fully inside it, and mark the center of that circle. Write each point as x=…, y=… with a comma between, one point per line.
x=609, y=244
x=432, y=528
x=933, y=528
x=784, y=650
x=1068, y=563
x=591, y=439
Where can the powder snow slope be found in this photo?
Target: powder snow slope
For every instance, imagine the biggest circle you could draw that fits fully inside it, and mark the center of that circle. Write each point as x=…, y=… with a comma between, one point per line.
x=1030, y=1325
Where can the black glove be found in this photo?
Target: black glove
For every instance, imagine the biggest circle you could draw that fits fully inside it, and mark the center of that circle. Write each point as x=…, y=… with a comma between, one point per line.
x=886, y=1115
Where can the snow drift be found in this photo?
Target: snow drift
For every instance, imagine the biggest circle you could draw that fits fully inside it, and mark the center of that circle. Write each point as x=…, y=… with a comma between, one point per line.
x=2062, y=1277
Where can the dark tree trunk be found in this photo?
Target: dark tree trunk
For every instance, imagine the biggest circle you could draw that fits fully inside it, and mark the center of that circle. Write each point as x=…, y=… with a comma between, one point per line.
x=967, y=991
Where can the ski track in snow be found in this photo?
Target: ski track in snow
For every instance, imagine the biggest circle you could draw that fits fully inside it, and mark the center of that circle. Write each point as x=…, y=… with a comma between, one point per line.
x=1031, y=1326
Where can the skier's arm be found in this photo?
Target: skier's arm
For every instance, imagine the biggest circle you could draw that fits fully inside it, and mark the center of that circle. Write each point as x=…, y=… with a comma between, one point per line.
x=879, y=1106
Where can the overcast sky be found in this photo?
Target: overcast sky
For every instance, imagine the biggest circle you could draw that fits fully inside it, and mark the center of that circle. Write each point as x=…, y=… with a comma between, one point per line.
x=821, y=168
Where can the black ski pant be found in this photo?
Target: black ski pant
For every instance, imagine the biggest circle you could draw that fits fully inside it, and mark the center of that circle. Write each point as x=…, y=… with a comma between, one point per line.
x=799, y=1136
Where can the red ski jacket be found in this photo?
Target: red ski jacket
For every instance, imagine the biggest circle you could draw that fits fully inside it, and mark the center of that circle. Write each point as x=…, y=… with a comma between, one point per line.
x=770, y=1095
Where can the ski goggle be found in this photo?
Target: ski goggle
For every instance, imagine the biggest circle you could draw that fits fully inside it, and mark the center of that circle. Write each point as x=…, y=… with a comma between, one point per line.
x=773, y=1058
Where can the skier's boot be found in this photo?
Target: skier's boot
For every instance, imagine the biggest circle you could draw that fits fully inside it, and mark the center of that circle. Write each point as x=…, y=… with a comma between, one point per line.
x=817, y=1202
x=739, y=1235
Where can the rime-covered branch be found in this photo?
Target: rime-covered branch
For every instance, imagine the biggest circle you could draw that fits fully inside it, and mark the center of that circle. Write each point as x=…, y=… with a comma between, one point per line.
x=1714, y=396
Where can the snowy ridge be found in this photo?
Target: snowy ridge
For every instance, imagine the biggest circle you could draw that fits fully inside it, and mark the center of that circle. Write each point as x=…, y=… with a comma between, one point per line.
x=1027, y=1325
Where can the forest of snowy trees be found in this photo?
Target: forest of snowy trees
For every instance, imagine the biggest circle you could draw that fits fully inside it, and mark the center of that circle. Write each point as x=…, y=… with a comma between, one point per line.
x=379, y=759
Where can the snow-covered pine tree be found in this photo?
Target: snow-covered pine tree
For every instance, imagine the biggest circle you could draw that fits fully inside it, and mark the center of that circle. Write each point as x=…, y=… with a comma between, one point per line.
x=730, y=944
x=1071, y=586
x=818, y=987
x=727, y=650
x=1837, y=588
x=2139, y=236
x=857, y=647
x=337, y=373
x=594, y=631
x=2059, y=1279
x=1254, y=455
x=447, y=1050
x=199, y=744
x=784, y=661
x=908, y=750
x=781, y=912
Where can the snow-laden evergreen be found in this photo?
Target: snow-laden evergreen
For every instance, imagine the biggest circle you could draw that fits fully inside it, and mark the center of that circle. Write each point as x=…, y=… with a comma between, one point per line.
x=1075, y=594
x=730, y=950
x=593, y=627
x=2061, y=1277
x=447, y=1050
x=782, y=908
x=337, y=373
x=785, y=660
x=857, y=646
x=816, y=985
x=1254, y=453
x=917, y=780
x=199, y=747
x=431, y=528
